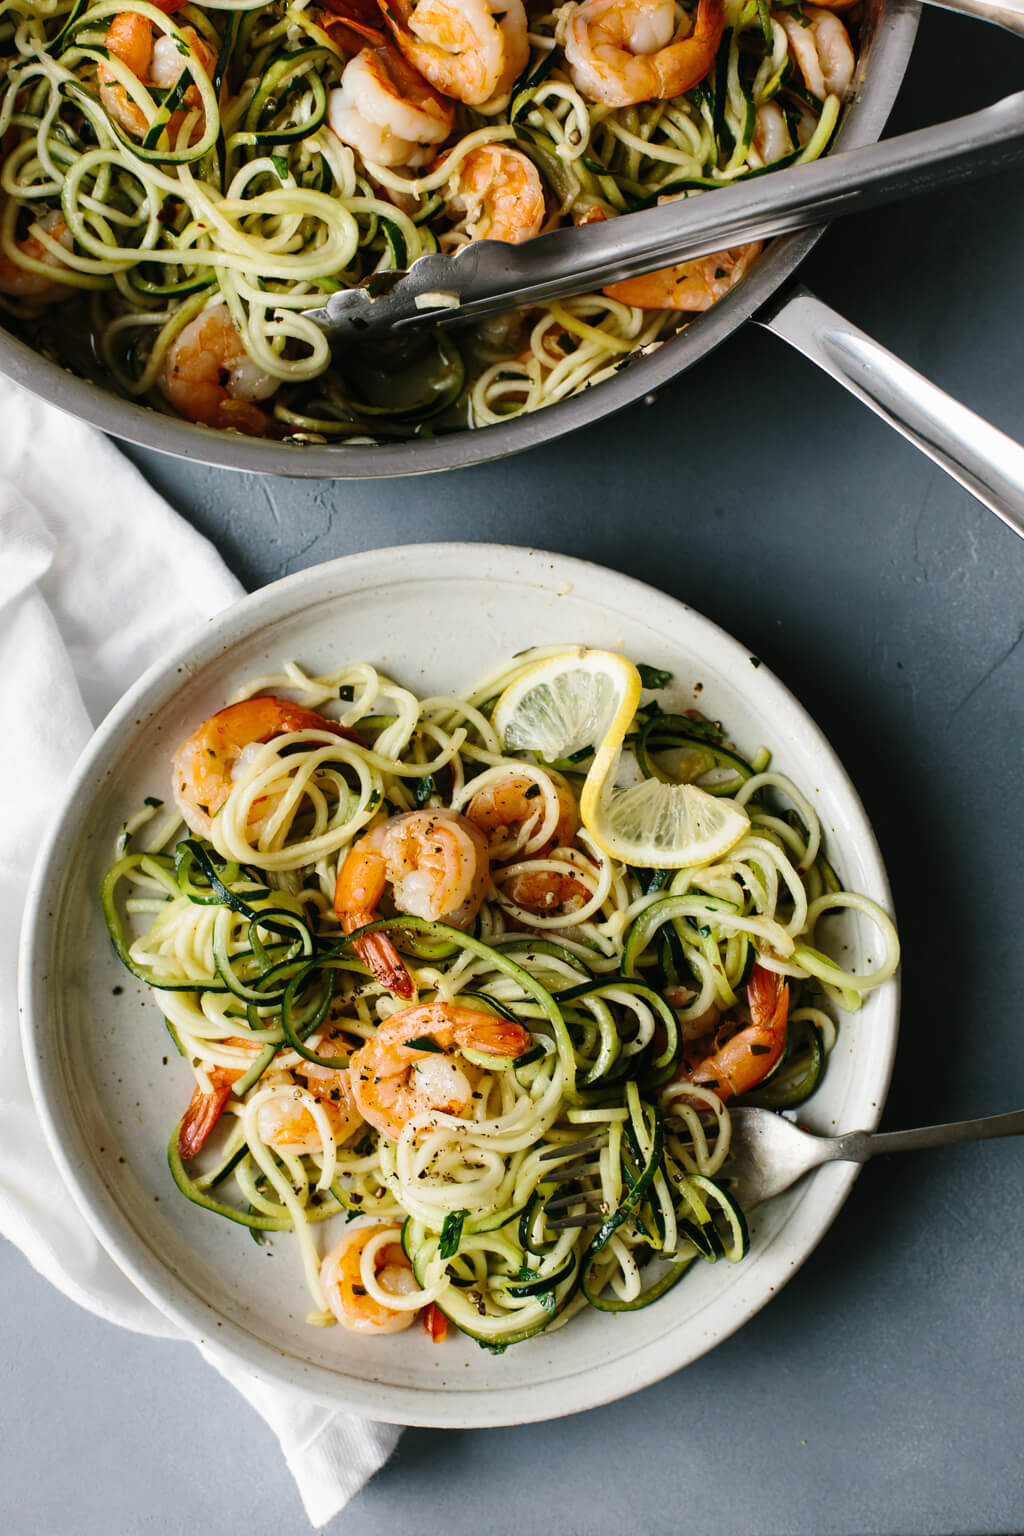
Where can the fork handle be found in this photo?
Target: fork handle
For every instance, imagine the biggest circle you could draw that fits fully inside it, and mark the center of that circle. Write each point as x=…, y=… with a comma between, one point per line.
x=859, y=1146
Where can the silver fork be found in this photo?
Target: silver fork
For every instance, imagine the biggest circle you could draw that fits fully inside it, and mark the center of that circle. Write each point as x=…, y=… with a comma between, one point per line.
x=768, y=1154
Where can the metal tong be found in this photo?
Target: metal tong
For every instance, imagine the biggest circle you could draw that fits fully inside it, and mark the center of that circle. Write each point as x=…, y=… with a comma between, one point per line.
x=491, y=277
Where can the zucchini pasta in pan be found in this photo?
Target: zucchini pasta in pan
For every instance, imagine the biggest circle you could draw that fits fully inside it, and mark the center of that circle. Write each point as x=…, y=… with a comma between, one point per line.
x=182, y=181
x=468, y=983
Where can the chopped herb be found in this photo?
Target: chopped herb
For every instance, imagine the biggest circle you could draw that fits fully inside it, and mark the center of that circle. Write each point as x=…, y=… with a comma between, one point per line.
x=532, y=792
x=280, y=165
x=451, y=1234
x=653, y=677
x=755, y=661
x=153, y=802
x=423, y=789
x=423, y=1043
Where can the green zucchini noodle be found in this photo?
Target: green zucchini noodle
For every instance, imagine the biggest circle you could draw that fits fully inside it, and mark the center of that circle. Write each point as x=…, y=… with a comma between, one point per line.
x=562, y=1048
x=130, y=211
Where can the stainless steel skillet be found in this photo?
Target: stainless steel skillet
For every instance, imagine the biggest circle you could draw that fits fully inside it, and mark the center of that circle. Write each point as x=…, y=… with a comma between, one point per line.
x=887, y=38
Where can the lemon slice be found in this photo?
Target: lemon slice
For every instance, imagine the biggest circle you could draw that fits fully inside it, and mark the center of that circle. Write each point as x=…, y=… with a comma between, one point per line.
x=661, y=826
x=583, y=698
x=567, y=703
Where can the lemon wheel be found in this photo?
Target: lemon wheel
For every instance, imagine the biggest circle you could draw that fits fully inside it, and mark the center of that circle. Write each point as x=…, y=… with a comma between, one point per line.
x=586, y=699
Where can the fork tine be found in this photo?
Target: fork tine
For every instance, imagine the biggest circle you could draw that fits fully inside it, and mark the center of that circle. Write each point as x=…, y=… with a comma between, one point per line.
x=591, y=1220
x=561, y=1201
x=572, y=1148
x=571, y=1172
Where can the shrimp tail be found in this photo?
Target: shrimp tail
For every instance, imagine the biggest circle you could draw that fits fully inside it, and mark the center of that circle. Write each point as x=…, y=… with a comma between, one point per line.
x=378, y=953
x=203, y=1112
x=768, y=999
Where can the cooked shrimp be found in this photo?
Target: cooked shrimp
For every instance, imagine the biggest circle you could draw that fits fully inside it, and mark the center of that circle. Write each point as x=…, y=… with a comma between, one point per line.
x=512, y=809
x=470, y=49
x=286, y=1123
x=548, y=892
x=820, y=44
x=386, y=110
x=23, y=283
x=205, y=1109
x=206, y=763
x=746, y=1057
x=621, y=52
x=210, y=377
x=130, y=39
x=499, y=193
x=394, y=1077
x=344, y=1283
x=692, y=285
x=771, y=133
x=437, y=865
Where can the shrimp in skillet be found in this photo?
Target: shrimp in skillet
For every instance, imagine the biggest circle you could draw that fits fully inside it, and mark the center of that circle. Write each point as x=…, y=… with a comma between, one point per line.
x=24, y=282
x=499, y=193
x=692, y=285
x=745, y=1059
x=386, y=110
x=206, y=764
x=130, y=40
x=473, y=50
x=210, y=377
x=820, y=44
x=410, y=1065
x=437, y=865
x=622, y=52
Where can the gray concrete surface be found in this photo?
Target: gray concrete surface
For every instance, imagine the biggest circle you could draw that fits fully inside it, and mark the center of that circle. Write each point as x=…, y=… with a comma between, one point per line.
x=882, y=1392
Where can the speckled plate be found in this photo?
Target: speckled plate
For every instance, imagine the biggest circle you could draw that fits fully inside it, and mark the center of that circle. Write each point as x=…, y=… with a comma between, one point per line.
x=109, y=1087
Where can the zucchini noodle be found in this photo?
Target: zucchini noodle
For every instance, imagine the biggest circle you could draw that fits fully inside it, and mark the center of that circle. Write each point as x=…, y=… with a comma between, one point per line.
x=163, y=225
x=500, y=1074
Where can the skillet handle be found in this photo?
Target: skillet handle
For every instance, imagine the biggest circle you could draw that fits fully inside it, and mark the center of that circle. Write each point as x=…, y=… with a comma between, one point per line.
x=998, y=11
x=984, y=460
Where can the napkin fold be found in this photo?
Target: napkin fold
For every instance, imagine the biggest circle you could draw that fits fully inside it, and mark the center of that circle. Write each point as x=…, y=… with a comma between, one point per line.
x=98, y=579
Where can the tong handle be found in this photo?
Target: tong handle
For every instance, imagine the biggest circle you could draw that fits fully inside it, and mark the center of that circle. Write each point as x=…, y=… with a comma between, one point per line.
x=488, y=277
x=753, y=209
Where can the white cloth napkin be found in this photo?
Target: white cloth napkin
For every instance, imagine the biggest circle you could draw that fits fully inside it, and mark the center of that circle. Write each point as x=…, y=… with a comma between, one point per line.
x=84, y=545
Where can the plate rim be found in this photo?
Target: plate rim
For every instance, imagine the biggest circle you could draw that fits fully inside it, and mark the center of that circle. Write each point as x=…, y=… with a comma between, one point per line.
x=448, y=1406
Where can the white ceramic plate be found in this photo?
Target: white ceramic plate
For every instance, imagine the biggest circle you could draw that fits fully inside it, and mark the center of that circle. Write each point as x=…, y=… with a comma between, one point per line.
x=109, y=1086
